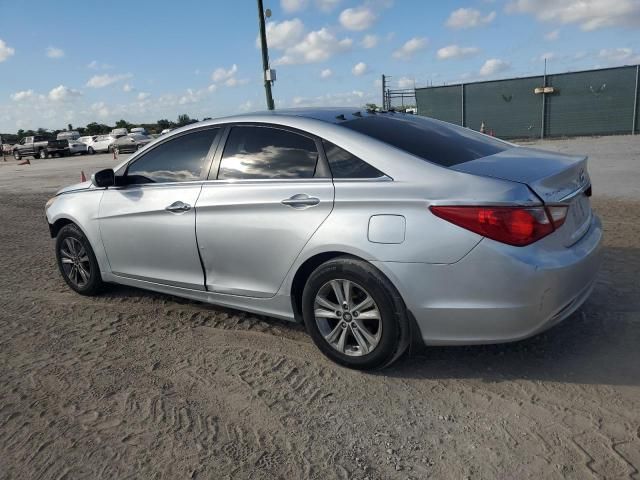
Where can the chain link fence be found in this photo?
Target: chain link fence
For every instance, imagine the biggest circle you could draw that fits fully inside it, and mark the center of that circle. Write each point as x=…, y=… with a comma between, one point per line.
x=592, y=102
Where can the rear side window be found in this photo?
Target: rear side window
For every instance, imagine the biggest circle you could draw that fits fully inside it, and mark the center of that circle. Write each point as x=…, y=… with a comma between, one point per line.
x=437, y=142
x=179, y=160
x=267, y=153
x=345, y=165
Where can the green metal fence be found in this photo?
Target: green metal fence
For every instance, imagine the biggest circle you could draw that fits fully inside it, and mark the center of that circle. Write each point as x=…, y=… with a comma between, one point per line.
x=592, y=102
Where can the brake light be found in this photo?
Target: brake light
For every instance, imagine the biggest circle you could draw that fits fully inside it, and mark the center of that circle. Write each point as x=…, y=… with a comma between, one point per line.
x=518, y=226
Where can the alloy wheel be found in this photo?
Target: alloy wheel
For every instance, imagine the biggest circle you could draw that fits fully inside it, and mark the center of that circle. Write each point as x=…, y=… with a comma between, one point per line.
x=348, y=317
x=75, y=262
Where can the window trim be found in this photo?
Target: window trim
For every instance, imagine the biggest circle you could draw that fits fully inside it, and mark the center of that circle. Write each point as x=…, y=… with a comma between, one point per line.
x=322, y=170
x=205, y=168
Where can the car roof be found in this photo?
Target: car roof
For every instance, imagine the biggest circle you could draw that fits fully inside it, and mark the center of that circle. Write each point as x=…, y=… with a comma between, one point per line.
x=333, y=115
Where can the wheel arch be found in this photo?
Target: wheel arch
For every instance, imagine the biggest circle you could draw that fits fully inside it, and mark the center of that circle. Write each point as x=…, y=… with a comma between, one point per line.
x=55, y=227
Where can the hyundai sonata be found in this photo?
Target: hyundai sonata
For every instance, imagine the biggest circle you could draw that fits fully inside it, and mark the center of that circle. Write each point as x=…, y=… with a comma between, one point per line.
x=374, y=229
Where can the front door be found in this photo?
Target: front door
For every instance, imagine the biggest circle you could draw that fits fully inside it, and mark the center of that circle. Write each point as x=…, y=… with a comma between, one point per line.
x=268, y=200
x=148, y=223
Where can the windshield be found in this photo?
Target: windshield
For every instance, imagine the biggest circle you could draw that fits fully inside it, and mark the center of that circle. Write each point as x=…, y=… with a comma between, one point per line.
x=438, y=142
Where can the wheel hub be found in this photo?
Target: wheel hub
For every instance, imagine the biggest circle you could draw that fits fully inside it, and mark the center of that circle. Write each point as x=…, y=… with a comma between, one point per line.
x=348, y=317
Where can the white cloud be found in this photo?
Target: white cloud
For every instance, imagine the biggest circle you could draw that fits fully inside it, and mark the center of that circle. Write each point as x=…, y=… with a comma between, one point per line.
x=22, y=95
x=358, y=18
x=220, y=74
x=62, y=93
x=281, y=35
x=127, y=87
x=327, y=5
x=469, y=18
x=589, y=14
x=552, y=35
x=455, y=51
x=246, y=106
x=290, y=6
x=100, y=81
x=410, y=48
x=317, y=46
x=619, y=56
x=359, y=69
x=493, y=66
x=53, y=52
x=101, y=109
x=406, y=82
x=5, y=51
x=226, y=77
x=326, y=73
x=143, y=96
x=95, y=65
x=369, y=41
x=234, y=82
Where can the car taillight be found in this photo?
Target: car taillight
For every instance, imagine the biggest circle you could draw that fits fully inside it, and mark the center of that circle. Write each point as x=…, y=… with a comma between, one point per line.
x=518, y=226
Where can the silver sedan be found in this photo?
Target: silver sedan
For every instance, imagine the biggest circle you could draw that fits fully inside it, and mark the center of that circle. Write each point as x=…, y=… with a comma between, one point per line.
x=374, y=229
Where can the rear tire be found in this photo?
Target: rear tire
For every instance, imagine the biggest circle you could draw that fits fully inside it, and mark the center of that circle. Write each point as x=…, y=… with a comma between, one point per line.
x=42, y=153
x=77, y=262
x=370, y=330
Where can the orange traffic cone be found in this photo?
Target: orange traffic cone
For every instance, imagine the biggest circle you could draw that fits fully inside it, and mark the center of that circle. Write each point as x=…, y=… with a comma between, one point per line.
x=82, y=177
x=26, y=161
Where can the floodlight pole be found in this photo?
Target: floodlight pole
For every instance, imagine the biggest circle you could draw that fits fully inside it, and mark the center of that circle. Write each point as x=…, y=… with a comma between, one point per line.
x=265, y=56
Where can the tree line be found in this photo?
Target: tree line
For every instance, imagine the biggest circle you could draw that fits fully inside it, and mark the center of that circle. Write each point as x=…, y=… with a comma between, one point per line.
x=95, y=128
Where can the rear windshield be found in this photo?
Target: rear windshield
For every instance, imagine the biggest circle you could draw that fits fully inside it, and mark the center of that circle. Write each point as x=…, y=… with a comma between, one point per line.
x=437, y=142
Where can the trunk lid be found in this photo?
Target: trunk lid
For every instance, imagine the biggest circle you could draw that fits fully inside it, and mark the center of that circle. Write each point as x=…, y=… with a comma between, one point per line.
x=556, y=178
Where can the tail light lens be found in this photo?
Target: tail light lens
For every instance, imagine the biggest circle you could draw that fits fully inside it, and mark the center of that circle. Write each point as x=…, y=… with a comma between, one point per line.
x=518, y=226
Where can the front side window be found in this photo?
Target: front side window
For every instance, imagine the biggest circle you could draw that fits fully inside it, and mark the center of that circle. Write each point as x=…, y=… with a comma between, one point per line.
x=345, y=165
x=267, y=153
x=178, y=160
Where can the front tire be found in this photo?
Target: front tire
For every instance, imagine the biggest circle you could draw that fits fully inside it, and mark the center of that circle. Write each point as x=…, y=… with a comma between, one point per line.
x=16, y=154
x=90, y=151
x=42, y=153
x=355, y=315
x=77, y=262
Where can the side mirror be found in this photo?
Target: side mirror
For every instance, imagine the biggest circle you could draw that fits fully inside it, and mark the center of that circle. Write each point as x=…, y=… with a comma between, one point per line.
x=104, y=178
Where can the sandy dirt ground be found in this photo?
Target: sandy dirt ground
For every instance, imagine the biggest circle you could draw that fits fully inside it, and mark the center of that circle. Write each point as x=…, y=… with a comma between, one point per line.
x=132, y=384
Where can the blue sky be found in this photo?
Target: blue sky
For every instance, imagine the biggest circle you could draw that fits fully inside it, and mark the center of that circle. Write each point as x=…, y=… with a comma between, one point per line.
x=77, y=62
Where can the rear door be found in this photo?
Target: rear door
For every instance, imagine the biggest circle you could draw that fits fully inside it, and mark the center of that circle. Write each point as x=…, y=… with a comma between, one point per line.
x=148, y=223
x=270, y=191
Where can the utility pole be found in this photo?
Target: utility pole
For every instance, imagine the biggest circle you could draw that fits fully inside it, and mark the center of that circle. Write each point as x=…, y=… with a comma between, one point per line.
x=266, y=72
x=384, y=79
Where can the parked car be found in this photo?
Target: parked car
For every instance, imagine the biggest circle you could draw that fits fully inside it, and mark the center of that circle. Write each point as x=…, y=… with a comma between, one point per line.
x=76, y=146
x=40, y=147
x=374, y=229
x=119, y=132
x=130, y=143
x=139, y=130
x=68, y=135
x=98, y=143
x=165, y=131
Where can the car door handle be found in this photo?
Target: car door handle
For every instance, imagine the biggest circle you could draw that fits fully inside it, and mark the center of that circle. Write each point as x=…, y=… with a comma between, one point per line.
x=301, y=200
x=178, y=207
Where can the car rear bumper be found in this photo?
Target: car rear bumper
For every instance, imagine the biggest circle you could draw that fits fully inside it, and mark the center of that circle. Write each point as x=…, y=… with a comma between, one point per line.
x=498, y=293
